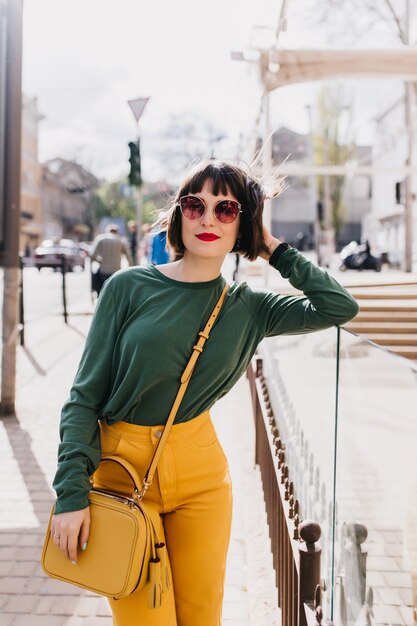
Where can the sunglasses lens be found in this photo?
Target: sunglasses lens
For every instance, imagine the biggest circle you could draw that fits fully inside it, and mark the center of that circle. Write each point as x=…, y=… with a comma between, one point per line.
x=192, y=207
x=227, y=211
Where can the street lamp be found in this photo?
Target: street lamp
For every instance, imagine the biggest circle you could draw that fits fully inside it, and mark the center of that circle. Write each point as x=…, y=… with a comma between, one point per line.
x=314, y=193
x=137, y=107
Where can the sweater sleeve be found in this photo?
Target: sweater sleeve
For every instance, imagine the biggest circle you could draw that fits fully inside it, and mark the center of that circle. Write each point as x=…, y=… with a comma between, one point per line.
x=79, y=451
x=325, y=302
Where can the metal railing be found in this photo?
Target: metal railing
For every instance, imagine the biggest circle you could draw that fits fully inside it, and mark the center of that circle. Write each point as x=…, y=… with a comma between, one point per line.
x=296, y=553
x=53, y=293
x=335, y=442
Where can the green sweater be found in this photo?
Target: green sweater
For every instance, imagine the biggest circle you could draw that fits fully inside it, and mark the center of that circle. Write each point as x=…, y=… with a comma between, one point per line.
x=140, y=340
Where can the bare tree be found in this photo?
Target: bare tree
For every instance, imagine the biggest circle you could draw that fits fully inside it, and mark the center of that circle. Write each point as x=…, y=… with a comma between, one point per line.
x=377, y=19
x=333, y=145
x=365, y=22
x=184, y=140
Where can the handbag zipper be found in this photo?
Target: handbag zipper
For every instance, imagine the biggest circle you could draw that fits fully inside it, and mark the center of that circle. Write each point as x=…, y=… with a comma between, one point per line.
x=124, y=500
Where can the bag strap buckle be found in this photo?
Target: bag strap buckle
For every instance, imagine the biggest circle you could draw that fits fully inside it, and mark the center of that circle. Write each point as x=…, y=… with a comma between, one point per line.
x=139, y=495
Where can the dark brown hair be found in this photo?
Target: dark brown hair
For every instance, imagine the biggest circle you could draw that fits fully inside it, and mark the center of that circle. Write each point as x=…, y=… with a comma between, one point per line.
x=225, y=178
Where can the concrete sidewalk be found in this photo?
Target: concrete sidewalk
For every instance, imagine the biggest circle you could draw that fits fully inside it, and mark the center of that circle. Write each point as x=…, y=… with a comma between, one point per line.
x=46, y=367
x=259, y=274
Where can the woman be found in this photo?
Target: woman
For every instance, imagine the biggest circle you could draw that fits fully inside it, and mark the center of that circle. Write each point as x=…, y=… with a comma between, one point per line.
x=144, y=328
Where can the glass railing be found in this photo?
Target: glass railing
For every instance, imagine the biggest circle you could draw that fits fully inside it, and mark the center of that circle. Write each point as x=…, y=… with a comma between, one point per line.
x=375, y=549
x=347, y=412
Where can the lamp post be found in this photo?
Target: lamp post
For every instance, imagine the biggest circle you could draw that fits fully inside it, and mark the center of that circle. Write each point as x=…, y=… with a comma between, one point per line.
x=11, y=12
x=313, y=185
x=408, y=181
x=137, y=107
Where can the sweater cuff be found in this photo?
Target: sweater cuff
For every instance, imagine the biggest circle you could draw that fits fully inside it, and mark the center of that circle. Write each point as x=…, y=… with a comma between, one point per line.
x=279, y=250
x=283, y=260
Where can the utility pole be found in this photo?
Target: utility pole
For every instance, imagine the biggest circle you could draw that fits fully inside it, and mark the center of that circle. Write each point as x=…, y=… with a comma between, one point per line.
x=137, y=107
x=11, y=14
x=313, y=186
x=408, y=180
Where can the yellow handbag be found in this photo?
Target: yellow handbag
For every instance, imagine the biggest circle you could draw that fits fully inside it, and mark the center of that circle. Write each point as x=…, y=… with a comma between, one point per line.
x=124, y=553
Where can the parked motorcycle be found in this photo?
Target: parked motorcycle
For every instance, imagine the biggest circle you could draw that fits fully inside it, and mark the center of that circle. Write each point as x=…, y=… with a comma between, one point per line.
x=356, y=256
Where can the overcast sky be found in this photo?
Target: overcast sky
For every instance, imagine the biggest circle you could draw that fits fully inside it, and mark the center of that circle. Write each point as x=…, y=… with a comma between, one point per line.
x=84, y=59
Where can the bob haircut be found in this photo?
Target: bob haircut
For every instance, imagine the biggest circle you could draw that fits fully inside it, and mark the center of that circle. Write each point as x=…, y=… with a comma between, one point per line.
x=224, y=178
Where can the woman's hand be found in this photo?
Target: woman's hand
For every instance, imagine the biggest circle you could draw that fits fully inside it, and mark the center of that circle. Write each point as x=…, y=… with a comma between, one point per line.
x=271, y=243
x=69, y=528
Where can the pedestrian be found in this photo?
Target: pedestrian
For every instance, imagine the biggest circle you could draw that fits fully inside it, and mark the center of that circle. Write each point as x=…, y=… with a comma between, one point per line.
x=132, y=230
x=108, y=250
x=141, y=337
x=144, y=244
x=158, y=252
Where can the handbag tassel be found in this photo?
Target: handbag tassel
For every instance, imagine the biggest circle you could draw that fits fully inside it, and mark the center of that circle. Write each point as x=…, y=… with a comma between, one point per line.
x=155, y=586
x=161, y=554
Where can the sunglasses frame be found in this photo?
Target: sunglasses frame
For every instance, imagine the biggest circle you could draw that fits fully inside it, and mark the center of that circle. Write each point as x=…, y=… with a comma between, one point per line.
x=191, y=195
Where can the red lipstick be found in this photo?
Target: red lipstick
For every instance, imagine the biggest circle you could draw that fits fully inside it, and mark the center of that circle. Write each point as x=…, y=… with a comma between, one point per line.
x=207, y=237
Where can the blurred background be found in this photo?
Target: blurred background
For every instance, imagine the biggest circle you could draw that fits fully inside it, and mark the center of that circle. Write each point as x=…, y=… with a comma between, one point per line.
x=200, y=82
x=115, y=102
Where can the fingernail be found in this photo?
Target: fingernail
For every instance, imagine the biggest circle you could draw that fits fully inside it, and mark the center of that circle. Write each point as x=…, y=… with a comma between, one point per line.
x=84, y=546
x=74, y=562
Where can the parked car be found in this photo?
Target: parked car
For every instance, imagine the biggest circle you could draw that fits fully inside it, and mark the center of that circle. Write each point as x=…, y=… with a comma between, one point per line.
x=49, y=254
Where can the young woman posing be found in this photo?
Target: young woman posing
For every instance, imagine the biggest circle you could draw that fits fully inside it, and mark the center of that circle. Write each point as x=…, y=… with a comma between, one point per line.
x=143, y=331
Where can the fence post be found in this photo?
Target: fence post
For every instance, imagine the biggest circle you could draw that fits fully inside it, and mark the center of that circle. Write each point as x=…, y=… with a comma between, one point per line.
x=310, y=556
x=64, y=287
x=352, y=573
x=21, y=302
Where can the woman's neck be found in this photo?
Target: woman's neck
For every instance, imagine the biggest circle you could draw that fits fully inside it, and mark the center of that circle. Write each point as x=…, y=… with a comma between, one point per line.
x=192, y=269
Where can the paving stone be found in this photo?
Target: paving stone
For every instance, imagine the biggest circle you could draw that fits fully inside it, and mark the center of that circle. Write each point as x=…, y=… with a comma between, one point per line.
x=387, y=615
x=6, y=568
x=39, y=620
x=21, y=604
x=235, y=575
x=34, y=585
x=88, y=606
x=397, y=579
x=9, y=539
x=235, y=610
x=12, y=585
x=57, y=605
x=375, y=579
x=28, y=554
x=394, y=549
x=385, y=595
x=57, y=588
x=97, y=621
x=383, y=564
x=103, y=608
x=24, y=568
x=31, y=540
x=8, y=553
x=407, y=614
x=406, y=597
x=75, y=620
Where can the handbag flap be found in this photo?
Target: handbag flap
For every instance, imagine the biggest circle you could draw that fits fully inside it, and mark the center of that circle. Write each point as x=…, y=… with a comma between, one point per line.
x=119, y=547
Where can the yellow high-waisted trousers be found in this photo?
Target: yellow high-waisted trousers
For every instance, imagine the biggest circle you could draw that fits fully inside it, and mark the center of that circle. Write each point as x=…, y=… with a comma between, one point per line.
x=192, y=493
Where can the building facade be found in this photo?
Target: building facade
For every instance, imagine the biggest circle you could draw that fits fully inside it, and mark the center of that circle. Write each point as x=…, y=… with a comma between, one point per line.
x=295, y=212
x=30, y=196
x=384, y=224
x=66, y=192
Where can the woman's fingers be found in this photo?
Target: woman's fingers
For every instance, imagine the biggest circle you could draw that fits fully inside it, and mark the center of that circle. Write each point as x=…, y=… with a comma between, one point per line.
x=72, y=547
x=65, y=531
x=85, y=531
